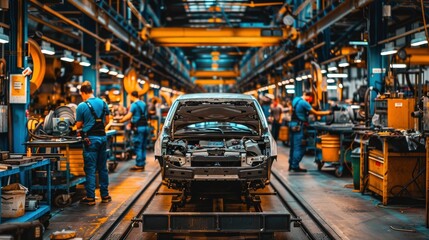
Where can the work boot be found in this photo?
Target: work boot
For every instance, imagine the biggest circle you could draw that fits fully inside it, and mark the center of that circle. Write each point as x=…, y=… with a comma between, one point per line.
x=106, y=199
x=88, y=201
x=137, y=169
x=298, y=169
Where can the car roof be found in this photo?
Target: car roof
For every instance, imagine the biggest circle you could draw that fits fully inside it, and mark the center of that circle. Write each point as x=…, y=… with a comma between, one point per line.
x=235, y=96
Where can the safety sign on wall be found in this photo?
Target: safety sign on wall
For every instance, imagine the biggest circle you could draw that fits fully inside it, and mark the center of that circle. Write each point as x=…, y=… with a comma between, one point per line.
x=18, y=88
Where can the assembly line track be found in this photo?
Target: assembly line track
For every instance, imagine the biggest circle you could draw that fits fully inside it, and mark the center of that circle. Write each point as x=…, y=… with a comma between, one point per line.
x=313, y=226
x=121, y=225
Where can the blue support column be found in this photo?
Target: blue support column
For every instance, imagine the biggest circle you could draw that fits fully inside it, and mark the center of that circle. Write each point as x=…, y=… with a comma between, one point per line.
x=91, y=47
x=376, y=63
x=16, y=64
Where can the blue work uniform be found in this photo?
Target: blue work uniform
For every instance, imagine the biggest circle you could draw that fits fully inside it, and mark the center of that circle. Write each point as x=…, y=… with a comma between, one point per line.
x=94, y=154
x=140, y=131
x=301, y=109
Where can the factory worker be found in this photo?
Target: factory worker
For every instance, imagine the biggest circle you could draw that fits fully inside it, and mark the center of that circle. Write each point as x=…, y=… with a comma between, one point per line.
x=301, y=109
x=91, y=117
x=139, y=124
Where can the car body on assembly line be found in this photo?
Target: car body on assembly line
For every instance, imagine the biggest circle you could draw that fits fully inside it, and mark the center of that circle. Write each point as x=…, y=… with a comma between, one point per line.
x=215, y=144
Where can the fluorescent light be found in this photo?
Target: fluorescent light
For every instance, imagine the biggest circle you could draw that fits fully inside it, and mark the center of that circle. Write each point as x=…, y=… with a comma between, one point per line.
x=84, y=62
x=419, y=39
x=332, y=68
x=388, y=52
x=334, y=87
x=104, y=69
x=67, y=56
x=3, y=37
x=304, y=77
x=359, y=43
x=47, y=49
x=344, y=63
x=389, y=49
x=113, y=72
x=337, y=75
x=290, y=91
x=120, y=75
x=330, y=80
x=298, y=79
x=398, y=65
x=323, y=71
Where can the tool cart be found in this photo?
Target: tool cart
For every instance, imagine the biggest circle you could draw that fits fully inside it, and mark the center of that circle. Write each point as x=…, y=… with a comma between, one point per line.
x=112, y=162
x=67, y=168
x=122, y=146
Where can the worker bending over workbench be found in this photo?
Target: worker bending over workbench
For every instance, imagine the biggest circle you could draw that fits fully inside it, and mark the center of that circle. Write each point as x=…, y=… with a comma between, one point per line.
x=301, y=109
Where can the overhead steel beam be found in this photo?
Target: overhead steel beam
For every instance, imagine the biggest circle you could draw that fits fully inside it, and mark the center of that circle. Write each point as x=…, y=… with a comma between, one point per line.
x=332, y=17
x=215, y=81
x=246, y=37
x=225, y=74
x=91, y=10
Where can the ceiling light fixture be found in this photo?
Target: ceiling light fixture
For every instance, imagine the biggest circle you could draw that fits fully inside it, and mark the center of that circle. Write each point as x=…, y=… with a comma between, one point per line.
x=3, y=37
x=343, y=63
x=84, y=62
x=419, y=39
x=398, y=65
x=113, y=72
x=337, y=75
x=47, y=49
x=120, y=75
x=332, y=67
x=67, y=56
x=359, y=43
x=104, y=69
x=389, y=49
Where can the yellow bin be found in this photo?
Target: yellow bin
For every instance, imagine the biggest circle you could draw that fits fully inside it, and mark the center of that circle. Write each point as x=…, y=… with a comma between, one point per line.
x=330, y=148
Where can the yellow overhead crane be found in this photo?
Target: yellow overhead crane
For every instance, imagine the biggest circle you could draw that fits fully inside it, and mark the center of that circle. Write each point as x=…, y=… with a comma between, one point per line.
x=240, y=37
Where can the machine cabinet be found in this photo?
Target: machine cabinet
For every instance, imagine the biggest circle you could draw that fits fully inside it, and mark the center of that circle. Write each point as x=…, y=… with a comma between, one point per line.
x=393, y=174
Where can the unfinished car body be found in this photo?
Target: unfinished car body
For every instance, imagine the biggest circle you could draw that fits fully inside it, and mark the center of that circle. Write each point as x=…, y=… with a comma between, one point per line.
x=215, y=144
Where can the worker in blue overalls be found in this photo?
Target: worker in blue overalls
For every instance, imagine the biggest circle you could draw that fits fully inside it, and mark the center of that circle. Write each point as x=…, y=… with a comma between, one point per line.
x=139, y=124
x=301, y=107
x=92, y=115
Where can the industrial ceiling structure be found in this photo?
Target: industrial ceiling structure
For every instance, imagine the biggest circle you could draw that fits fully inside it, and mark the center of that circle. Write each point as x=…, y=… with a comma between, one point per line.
x=215, y=45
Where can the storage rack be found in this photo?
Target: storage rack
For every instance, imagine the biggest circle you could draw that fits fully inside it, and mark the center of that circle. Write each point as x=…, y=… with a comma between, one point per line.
x=43, y=209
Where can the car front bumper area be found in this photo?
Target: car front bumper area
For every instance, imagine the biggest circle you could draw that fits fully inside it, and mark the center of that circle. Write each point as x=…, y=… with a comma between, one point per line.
x=173, y=172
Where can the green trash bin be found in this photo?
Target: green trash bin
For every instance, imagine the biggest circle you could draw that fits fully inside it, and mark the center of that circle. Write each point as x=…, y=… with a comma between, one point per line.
x=355, y=156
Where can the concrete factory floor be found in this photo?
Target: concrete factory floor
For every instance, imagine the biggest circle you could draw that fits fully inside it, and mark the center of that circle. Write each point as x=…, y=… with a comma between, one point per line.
x=350, y=214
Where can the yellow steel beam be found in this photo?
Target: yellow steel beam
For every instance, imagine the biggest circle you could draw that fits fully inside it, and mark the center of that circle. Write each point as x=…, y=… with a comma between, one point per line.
x=205, y=74
x=215, y=81
x=246, y=37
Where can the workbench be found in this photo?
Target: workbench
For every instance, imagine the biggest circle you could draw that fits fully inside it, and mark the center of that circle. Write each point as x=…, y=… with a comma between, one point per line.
x=389, y=169
x=22, y=170
x=344, y=131
x=62, y=189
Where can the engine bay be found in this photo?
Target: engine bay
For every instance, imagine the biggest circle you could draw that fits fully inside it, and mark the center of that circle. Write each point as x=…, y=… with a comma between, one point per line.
x=243, y=152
